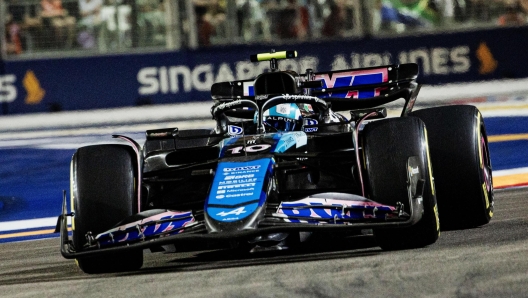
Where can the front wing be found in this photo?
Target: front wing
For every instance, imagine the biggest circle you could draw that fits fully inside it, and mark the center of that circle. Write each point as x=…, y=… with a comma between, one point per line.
x=164, y=227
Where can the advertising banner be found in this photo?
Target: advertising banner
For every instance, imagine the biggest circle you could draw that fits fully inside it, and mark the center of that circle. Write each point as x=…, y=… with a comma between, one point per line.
x=185, y=76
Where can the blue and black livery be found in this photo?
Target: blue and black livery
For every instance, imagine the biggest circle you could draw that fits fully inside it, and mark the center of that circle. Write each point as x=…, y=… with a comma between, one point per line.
x=260, y=185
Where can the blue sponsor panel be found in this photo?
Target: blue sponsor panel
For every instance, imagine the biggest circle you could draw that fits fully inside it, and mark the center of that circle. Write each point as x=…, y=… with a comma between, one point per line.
x=237, y=189
x=187, y=75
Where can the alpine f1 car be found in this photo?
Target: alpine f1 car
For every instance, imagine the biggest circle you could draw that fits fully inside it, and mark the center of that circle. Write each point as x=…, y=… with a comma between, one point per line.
x=284, y=163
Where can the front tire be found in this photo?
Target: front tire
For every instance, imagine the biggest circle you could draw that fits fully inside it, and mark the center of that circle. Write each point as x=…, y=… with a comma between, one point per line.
x=103, y=193
x=388, y=145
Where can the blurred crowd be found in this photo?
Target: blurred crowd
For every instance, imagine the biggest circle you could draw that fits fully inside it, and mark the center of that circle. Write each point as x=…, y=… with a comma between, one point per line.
x=408, y=15
x=118, y=25
x=103, y=25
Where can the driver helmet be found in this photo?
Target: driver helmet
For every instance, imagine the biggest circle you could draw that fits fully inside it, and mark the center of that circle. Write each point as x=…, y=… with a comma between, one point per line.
x=284, y=117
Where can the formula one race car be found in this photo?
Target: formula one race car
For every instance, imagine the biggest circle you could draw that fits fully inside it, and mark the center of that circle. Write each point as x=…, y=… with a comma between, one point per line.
x=283, y=164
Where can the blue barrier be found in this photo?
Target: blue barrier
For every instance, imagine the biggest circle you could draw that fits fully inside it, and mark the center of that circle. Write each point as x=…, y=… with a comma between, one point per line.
x=184, y=76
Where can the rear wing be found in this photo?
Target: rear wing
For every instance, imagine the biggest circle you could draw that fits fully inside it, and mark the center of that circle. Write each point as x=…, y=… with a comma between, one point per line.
x=345, y=89
x=364, y=83
x=368, y=87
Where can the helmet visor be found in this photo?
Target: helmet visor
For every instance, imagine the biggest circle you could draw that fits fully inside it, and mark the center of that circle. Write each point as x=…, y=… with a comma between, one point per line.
x=283, y=124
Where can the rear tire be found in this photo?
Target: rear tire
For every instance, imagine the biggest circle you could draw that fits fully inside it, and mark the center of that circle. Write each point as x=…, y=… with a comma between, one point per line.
x=388, y=144
x=103, y=193
x=460, y=157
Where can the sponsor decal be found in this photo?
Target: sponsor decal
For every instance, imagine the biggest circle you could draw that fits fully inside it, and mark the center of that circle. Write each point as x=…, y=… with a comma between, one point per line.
x=326, y=209
x=246, y=168
x=488, y=64
x=249, y=149
x=228, y=105
x=174, y=79
x=302, y=97
x=172, y=222
x=354, y=78
x=431, y=61
x=8, y=91
x=237, y=211
x=35, y=93
x=237, y=183
x=239, y=176
x=223, y=188
x=309, y=121
x=279, y=118
x=234, y=130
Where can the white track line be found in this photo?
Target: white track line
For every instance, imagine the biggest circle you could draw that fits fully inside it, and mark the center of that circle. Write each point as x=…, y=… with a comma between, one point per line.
x=28, y=224
x=510, y=172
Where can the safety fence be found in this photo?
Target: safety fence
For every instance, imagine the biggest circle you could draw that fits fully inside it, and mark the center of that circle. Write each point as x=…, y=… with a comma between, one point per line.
x=68, y=28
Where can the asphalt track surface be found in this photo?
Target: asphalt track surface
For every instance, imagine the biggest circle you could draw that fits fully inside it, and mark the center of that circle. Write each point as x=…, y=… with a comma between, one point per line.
x=489, y=261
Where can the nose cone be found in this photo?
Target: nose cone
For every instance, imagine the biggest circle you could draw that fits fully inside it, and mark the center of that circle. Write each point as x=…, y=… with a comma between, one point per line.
x=237, y=195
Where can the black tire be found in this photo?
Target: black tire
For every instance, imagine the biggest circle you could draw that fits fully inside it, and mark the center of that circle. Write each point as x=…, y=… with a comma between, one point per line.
x=103, y=193
x=461, y=161
x=388, y=145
